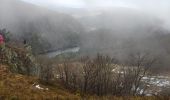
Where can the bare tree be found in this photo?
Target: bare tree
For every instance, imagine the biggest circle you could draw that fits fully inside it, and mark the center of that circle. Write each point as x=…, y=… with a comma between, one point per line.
x=134, y=70
x=96, y=75
x=46, y=71
x=87, y=71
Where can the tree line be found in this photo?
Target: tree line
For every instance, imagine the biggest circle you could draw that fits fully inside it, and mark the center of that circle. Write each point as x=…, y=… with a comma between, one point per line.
x=101, y=75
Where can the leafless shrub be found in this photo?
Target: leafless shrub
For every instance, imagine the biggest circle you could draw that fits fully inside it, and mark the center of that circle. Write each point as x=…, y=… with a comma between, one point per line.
x=102, y=76
x=46, y=74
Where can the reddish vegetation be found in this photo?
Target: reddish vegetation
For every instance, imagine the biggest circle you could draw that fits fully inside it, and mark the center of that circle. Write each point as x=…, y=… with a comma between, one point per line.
x=1, y=39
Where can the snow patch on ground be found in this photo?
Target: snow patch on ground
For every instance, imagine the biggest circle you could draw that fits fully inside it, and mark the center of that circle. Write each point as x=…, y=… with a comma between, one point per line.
x=39, y=87
x=156, y=84
x=159, y=81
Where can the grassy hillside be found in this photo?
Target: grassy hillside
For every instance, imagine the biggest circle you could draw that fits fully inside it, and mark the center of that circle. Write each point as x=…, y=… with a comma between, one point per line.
x=17, y=86
x=17, y=67
x=20, y=87
x=23, y=86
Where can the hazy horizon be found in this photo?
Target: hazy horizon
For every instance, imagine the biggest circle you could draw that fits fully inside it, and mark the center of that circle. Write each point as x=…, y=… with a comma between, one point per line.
x=158, y=8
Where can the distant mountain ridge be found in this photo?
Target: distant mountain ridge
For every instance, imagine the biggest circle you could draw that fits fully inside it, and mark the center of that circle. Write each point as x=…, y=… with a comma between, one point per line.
x=20, y=17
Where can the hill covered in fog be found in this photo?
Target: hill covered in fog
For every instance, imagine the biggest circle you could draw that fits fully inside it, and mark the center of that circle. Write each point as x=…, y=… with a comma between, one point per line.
x=116, y=31
x=19, y=17
x=121, y=32
x=122, y=21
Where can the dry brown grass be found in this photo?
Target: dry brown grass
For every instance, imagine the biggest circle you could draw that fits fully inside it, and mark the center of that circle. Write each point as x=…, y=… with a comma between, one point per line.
x=127, y=98
x=19, y=87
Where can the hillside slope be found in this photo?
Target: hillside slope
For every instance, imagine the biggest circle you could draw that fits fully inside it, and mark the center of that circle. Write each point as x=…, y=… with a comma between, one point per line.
x=20, y=87
x=17, y=86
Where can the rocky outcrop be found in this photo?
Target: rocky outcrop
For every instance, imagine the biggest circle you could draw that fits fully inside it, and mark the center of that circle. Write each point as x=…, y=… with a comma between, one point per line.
x=20, y=60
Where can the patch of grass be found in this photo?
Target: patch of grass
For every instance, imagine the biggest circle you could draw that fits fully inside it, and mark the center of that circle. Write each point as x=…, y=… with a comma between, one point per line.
x=127, y=98
x=20, y=87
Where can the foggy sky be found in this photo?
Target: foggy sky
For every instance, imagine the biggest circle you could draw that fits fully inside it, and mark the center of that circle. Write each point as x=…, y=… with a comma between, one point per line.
x=147, y=4
x=160, y=8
